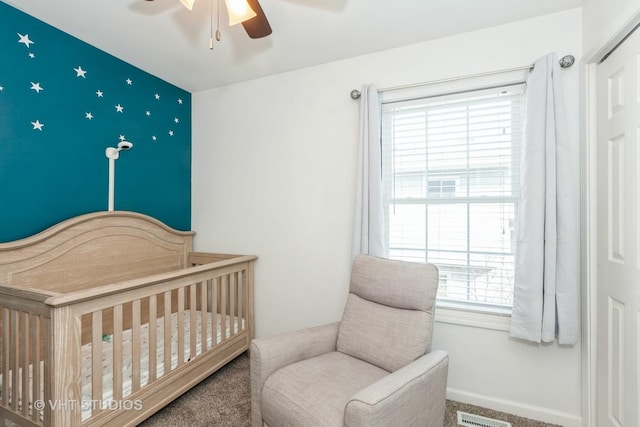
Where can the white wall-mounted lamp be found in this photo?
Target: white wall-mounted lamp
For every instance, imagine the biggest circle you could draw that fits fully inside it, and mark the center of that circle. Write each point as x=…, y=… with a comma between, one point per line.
x=113, y=153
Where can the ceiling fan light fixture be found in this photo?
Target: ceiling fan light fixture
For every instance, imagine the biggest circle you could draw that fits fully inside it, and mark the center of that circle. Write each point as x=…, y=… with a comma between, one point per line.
x=239, y=11
x=188, y=3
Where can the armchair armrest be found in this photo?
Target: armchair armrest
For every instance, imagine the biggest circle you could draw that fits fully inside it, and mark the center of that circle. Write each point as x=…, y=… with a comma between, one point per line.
x=411, y=396
x=267, y=355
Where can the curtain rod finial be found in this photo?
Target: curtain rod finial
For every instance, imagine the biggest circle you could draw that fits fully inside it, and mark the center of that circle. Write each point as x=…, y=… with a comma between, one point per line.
x=567, y=61
x=355, y=94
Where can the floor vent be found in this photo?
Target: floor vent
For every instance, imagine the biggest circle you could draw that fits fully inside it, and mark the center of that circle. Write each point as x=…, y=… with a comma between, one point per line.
x=471, y=420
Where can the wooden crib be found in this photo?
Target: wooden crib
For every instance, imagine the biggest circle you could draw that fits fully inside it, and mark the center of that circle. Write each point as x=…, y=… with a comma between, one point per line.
x=107, y=317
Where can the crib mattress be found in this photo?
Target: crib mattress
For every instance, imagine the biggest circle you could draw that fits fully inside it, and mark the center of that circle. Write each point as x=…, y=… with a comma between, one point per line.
x=127, y=383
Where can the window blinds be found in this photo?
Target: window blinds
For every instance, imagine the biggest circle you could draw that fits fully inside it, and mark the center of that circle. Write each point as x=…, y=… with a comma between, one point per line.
x=450, y=182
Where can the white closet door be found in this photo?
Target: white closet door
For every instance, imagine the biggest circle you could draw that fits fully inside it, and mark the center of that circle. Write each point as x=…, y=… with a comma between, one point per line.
x=618, y=181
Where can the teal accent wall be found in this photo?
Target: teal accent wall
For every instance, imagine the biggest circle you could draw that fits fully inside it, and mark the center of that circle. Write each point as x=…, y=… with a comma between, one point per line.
x=62, y=103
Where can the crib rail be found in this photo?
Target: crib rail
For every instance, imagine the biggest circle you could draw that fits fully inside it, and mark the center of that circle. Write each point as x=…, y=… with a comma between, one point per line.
x=161, y=335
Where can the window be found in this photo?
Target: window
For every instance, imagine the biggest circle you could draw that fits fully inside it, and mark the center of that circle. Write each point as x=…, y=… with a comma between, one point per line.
x=450, y=182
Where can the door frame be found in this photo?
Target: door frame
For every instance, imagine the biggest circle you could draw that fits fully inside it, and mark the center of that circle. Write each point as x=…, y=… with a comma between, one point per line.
x=589, y=218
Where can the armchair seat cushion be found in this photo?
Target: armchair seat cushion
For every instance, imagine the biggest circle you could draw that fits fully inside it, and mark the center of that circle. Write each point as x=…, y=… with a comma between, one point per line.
x=315, y=392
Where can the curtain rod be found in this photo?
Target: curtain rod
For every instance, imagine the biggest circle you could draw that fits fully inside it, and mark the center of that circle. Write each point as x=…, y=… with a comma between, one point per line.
x=565, y=62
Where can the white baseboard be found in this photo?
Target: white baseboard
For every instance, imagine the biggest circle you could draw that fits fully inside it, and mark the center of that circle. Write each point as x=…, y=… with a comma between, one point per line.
x=516, y=408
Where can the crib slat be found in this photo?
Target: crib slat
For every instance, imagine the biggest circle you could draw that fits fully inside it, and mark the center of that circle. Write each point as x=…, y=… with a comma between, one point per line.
x=167, y=332
x=239, y=301
x=15, y=334
x=232, y=303
x=224, y=285
x=204, y=308
x=135, y=346
x=192, y=320
x=245, y=293
x=153, y=338
x=181, y=333
x=25, y=363
x=96, y=358
x=241, y=297
x=215, y=285
x=35, y=353
x=6, y=351
x=96, y=355
x=117, y=352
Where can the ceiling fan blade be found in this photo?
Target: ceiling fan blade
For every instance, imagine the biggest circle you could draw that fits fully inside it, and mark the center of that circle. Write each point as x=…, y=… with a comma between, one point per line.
x=258, y=26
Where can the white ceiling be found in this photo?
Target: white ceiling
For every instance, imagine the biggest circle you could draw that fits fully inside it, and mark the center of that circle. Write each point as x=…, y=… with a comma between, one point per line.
x=165, y=39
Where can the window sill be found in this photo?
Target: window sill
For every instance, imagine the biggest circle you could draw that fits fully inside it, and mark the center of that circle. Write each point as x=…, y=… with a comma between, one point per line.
x=463, y=316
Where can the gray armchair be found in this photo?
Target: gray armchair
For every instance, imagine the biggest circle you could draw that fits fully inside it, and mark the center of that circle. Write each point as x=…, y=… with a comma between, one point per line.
x=373, y=368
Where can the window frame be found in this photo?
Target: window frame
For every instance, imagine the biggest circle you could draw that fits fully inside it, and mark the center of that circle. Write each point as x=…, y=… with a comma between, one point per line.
x=451, y=311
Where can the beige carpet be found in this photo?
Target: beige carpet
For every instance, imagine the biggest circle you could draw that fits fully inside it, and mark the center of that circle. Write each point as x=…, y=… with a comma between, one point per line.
x=224, y=400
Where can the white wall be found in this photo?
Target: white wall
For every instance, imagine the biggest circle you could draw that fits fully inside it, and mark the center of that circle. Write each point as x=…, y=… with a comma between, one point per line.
x=603, y=18
x=274, y=175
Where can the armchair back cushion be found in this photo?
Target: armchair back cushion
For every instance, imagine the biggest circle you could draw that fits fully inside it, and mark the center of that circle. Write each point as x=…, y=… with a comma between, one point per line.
x=388, y=317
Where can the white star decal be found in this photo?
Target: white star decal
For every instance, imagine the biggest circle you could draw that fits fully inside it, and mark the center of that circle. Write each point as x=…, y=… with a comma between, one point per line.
x=36, y=87
x=119, y=108
x=157, y=96
x=176, y=120
x=88, y=116
x=100, y=93
x=80, y=72
x=148, y=113
x=129, y=82
x=170, y=133
x=122, y=138
x=179, y=101
x=32, y=55
x=1, y=88
x=25, y=39
x=37, y=125
x=154, y=137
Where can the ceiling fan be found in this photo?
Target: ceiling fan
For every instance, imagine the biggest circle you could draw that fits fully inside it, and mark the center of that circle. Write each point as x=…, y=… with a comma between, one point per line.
x=247, y=12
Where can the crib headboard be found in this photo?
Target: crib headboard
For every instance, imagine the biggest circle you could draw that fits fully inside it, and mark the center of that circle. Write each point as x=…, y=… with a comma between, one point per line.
x=92, y=250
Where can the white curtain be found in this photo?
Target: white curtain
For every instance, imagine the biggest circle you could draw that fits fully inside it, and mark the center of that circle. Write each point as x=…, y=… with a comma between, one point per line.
x=546, y=298
x=368, y=225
